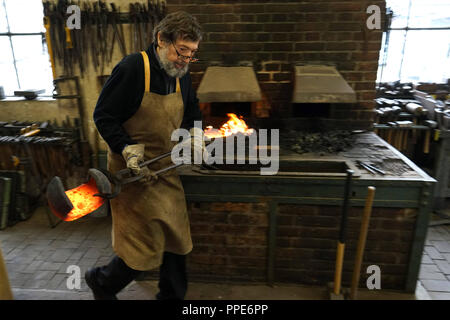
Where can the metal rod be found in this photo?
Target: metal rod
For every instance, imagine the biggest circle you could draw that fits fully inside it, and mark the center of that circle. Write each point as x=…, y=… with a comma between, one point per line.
x=168, y=168
x=9, y=34
x=375, y=168
x=146, y=163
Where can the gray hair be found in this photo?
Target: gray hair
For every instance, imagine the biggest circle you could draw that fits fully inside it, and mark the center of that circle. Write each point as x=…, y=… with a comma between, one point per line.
x=176, y=25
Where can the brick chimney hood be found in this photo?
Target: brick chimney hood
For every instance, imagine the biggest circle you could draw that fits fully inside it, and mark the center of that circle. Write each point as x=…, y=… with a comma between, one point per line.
x=321, y=84
x=229, y=84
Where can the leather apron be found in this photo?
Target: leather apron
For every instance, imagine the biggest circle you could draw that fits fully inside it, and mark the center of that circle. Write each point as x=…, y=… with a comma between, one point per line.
x=150, y=218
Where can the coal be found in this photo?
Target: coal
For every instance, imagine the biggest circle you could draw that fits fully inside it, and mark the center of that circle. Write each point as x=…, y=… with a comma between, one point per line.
x=332, y=141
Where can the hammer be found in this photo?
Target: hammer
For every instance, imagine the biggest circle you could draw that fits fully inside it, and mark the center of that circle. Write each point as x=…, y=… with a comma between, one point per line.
x=403, y=139
x=342, y=234
x=431, y=125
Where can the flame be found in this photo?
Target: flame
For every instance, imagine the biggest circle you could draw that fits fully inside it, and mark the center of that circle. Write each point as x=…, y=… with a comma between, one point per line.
x=83, y=200
x=232, y=126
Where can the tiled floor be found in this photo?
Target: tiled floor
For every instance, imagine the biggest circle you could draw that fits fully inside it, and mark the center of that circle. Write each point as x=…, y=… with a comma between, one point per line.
x=435, y=268
x=37, y=259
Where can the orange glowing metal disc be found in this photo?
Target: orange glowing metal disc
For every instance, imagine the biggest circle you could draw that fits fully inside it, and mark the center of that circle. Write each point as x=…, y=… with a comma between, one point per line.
x=83, y=200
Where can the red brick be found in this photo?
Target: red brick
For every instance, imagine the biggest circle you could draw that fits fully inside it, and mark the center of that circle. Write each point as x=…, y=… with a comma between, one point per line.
x=264, y=76
x=309, y=46
x=340, y=46
x=213, y=217
x=260, y=206
x=280, y=37
x=311, y=26
x=248, y=261
x=248, y=241
x=217, y=27
x=275, y=8
x=317, y=221
x=298, y=209
x=246, y=27
x=293, y=253
x=200, y=228
x=369, y=76
x=345, y=26
x=364, y=86
x=230, y=18
x=365, y=95
x=247, y=219
x=313, y=7
x=368, y=66
x=312, y=36
x=282, y=76
x=231, y=206
x=249, y=8
x=352, y=76
x=225, y=228
x=352, y=7
x=209, y=239
x=279, y=17
x=365, y=56
x=263, y=18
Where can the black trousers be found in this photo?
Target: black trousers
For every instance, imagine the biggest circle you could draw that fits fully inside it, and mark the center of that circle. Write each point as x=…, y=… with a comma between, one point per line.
x=172, y=276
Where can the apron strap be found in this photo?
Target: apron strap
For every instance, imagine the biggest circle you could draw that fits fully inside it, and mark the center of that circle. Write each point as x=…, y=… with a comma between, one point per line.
x=147, y=73
x=178, y=85
x=147, y=70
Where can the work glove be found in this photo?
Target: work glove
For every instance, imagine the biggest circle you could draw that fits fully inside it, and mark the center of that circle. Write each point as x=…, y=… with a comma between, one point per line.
x=196, y=143
x=134, y=155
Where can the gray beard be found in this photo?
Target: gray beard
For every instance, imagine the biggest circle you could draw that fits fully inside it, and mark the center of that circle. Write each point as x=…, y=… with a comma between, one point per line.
x=169, y=66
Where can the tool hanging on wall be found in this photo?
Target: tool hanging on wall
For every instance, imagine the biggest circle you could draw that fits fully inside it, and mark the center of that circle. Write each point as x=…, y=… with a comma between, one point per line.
x=101, y=31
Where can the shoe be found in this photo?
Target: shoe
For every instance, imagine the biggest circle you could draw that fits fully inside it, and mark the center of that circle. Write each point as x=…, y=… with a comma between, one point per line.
x=98, y=292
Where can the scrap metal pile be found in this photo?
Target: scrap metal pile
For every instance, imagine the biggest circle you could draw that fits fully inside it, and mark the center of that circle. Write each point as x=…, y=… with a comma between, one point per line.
x=101, y=30
x=42, y=149
x=332, y=141
x=30, y=155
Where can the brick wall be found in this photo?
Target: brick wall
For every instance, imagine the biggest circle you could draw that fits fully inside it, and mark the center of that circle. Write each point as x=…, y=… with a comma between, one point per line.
x=231, y=243
x=275, y=35
x=307, y=239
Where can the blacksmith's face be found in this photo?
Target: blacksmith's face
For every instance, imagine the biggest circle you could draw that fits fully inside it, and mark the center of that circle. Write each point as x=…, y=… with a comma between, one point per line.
x=176, y=55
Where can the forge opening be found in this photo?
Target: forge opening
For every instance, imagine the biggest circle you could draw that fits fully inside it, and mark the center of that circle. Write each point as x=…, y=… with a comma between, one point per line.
x=311, y=110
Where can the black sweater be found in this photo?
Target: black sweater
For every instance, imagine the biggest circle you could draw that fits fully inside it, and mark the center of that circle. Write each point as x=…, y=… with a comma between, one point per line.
x=122, y=94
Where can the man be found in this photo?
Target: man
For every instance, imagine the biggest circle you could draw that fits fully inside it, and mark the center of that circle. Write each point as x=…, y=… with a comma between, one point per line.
x=147, y=96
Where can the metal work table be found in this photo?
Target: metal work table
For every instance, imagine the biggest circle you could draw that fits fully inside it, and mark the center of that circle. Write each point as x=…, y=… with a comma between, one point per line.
x=404, y=186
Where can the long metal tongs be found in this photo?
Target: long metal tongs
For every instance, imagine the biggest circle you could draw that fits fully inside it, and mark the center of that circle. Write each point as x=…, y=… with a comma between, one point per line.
x=125, y=176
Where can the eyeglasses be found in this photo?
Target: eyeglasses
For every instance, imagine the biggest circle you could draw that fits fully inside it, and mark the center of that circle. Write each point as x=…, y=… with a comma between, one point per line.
x=189, y=58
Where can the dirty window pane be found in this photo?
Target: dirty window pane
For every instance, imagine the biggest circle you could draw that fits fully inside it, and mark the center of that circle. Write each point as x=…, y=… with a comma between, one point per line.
x=32, y=62
x=400, y=12
x=391, y=71
x=25, y=15
x=426, y=56
x=429, y=14
x=3, y=24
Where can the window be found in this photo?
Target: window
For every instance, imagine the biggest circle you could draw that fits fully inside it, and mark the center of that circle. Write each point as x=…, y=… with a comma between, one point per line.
x=416, y=47
x=24, y=60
